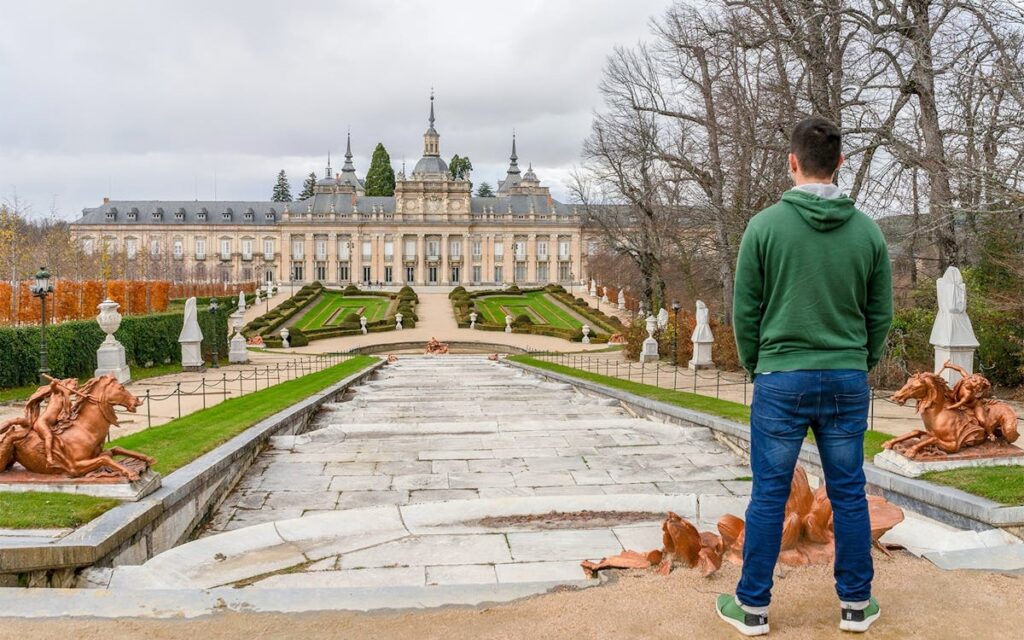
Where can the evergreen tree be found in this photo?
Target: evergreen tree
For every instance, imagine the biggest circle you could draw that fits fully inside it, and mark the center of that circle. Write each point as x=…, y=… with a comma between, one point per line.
x=308, y=186
x=485, y=191
x=380, y=177
x=282, y=190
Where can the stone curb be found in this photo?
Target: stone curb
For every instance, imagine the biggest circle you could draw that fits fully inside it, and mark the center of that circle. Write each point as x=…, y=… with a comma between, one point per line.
x=191, y=603
x=488, y=347
x=946, y=504
x=188, y=491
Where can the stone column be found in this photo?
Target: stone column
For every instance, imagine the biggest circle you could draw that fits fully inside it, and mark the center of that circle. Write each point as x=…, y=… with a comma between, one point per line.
x=444, y=265
x=355, y=259
x=421, y=258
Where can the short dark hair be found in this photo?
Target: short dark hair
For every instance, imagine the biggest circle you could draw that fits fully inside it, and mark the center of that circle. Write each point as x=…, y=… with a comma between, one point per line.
x=817, y=144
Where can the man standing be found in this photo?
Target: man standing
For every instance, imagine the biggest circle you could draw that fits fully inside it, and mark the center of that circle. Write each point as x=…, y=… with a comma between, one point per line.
x=813, y=304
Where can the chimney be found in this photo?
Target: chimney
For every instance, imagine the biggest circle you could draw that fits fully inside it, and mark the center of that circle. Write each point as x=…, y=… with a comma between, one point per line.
x=106, y=200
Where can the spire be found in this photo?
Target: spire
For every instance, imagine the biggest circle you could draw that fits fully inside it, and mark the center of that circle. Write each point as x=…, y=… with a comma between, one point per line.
x=431, y=107
x=513, y=166
x=328, y=173
x=431, y=138
x=348, y=154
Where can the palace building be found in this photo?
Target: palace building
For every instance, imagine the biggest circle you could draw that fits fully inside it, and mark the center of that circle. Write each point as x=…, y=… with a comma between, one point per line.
x=433, y=231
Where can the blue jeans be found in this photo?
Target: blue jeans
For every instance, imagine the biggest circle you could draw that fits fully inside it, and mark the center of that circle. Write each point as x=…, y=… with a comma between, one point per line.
x=834, y=404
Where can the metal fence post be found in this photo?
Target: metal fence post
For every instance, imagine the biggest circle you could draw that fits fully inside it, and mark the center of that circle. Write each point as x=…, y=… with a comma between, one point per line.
x=224, y=384
x=871, y=424
x=202, y=385
x=149, y=410
x=178, y=393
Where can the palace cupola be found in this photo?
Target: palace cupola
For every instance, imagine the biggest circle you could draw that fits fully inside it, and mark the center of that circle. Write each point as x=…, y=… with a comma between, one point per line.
x=431, y=166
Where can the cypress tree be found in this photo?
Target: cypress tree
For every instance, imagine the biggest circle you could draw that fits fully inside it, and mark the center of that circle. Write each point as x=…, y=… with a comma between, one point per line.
x=380, y=177
x=282, y=190
x=485, y=190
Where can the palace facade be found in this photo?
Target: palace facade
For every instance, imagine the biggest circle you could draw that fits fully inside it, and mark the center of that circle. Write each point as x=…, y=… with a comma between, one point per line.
x=433, y=231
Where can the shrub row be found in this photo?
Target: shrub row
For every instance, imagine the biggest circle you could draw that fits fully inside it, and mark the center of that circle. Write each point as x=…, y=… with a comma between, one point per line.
x=266, y=324
x=71, y=346
x=269, y=322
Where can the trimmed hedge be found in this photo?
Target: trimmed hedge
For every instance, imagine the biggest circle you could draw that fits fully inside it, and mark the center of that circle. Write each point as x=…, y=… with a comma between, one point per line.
x=601, y=325
x=72, y=346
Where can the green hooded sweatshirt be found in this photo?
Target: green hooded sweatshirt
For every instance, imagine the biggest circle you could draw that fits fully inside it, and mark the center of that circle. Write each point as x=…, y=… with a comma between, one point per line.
x=813, y=287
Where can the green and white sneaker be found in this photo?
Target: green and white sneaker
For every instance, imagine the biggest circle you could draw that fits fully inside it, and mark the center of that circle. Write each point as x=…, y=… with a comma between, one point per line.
x=859, y=620
x=749, y=624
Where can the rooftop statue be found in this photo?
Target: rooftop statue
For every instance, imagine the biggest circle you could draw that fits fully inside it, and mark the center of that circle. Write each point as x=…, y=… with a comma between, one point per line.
x=67, y=436
x=963, y=416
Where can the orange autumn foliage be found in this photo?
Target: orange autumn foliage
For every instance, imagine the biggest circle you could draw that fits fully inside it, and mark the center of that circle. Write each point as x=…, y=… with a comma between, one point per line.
x=28, y=307
x=5, y=302
x=66, y=297
x=92, y=296
x=158, y=295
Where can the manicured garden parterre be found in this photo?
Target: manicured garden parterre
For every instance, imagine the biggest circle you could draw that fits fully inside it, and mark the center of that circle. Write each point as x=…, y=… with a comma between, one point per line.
x=332, y=307
x=549, y=311
x=174, y=445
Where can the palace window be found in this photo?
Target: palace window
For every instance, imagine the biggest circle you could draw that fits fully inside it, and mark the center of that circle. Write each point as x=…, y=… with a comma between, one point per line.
x=179, y=248
x=410, y=248
x=200, y=247
x=387, y=275
x=410, y=274
x=520, y=249
x=247, y=252
x=296, y=271
x=343, y=272
x=563, y=249
x=367, y=251
x=268, y=249
x=542, y=249
x=564, y=271
x=477, y=248
x=225, y=249
x=389, y=251
x=476, y=274
x=131, y=247
x=520, y=272
x=433, y=249
x=343, y=252
x=455, y=248
x=88, y=246
x=320, y=271
x=320, y=245
x=367, y=274
x=154, y=248
x=298, y=249
x=246, y=274
x=542, y=272
x=499, y=251
x=456, y=274
x=498, y=275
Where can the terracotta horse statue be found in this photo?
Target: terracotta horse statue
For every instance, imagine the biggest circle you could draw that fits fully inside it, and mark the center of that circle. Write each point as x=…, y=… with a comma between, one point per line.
x=78, y=440
x=950, y=425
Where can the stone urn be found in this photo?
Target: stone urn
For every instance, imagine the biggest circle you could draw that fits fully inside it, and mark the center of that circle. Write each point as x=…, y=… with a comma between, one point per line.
x=508, y=324
x=472, y=320
x=398, y=322
x=649, y=350
x=586, y=334
x=110, y=357
x=362, y=324
x=284, y=339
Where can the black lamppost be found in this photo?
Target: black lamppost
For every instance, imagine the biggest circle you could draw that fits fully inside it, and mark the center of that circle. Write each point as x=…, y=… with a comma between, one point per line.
x=41, y=289
x=216, y=333
x=675, y=333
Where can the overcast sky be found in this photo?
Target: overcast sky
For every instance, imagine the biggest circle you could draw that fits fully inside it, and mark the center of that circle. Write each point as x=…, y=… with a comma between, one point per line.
x=153, y=99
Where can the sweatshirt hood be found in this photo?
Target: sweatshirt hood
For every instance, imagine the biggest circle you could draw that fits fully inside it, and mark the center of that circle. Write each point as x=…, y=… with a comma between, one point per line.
x=822, y=214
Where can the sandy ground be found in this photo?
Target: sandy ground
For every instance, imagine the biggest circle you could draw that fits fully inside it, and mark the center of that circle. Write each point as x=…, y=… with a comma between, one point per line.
x=918, y=601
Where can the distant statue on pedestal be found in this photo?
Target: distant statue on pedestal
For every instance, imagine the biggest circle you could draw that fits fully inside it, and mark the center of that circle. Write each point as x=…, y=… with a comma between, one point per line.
x=110, y=357
x=952, y=334
x=191, y=339
x=702, y=339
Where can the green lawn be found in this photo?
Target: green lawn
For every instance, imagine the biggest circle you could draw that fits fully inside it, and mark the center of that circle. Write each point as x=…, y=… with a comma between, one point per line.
x=1001, y=484
x=538, y=305
x=322, y=314
x=174, y=445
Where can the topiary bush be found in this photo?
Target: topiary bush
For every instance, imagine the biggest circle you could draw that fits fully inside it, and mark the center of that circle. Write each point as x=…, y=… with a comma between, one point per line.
x=297, y=338
x=522, y=320
x=350, y=290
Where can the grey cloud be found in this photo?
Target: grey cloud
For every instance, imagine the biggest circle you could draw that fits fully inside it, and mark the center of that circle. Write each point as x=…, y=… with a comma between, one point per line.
x=149, y=99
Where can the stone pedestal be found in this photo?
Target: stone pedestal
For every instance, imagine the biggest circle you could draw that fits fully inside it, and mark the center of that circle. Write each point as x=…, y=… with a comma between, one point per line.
x=900, y=464
x=701, y=356
x=110, y=358
x=649, y=350
x=238, y=354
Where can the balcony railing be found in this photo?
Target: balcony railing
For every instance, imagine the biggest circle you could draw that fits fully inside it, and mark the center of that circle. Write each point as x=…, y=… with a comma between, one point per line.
x=247, y=256
x=200, y=255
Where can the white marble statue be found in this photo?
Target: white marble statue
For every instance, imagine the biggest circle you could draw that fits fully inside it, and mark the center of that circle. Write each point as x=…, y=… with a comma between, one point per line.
x=604, y=295
x=586, y=334
x=398, y=322
x=508, y=324
x=362, y=324
x=284, y=339
x=241, y=302
x=703, y=340
x=952, y=334
x=593, y=288
x=662, y=318
x=472, y=320
x=622, y=300
x=191, y=339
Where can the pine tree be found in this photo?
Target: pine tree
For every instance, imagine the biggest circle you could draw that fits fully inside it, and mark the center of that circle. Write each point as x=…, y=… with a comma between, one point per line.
x=380, y=177
x=485, y=191
x=282, y=190
x=308, y=187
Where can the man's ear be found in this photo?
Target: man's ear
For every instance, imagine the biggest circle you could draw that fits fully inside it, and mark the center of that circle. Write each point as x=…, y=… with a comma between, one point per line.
x=794, y=166
x=842, y=159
